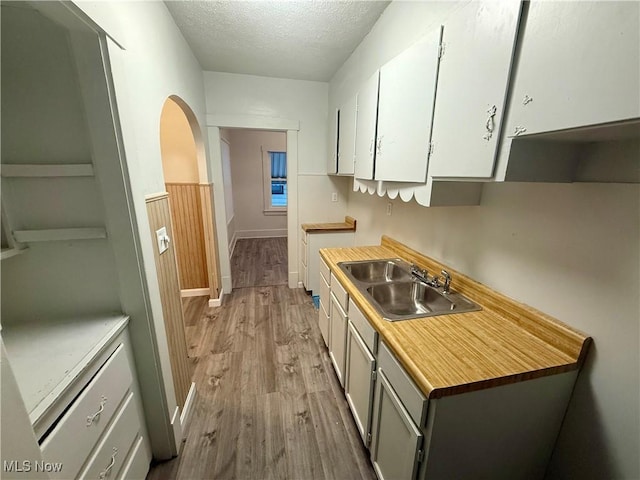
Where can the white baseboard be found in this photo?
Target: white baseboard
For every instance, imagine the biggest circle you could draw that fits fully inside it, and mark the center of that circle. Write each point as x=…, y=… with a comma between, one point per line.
x=187, y=410
x=177, y=428
x=194, y=292
x=232, y=244
x=277, y=232
x=216, y=302
x=300, y=285
x=293, y=280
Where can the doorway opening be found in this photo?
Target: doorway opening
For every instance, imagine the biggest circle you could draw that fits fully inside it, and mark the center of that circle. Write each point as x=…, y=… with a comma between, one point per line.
x=190, y=198
x=254, y=170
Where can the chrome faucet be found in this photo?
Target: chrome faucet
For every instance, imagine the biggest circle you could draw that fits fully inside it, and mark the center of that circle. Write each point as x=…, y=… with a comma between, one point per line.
x=446, y=288
x=420, y=273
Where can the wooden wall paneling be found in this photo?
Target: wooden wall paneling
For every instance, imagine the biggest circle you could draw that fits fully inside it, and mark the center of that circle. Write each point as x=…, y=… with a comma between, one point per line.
x=158, y=211
x=186, y=212
x=211, y=247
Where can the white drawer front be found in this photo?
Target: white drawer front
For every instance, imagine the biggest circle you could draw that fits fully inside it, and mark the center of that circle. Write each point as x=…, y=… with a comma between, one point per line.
x=364, y=328
x=137, y=465
x=75, y=436
x=325, y=271
x=412, y=398
x=114, y=447
x=340, y=293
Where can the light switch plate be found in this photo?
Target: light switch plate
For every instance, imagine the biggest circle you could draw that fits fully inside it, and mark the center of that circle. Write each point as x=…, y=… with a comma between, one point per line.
x=163, y=239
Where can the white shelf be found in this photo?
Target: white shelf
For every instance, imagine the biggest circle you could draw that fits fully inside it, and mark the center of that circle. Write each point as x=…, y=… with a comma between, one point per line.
x=60, y=234
x=11, y=252
x=48, y=356
x=66, y=170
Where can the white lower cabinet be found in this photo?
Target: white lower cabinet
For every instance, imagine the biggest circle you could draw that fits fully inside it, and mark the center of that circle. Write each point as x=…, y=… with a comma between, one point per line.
x=102, y=430
x=359, y=381
x=505, y=432
x=338, y=337
x=396, y=440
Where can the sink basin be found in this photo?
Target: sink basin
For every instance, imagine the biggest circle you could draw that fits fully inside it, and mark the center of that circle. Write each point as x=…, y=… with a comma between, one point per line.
x=399, y=295
x=413, y=299
x=378, y=271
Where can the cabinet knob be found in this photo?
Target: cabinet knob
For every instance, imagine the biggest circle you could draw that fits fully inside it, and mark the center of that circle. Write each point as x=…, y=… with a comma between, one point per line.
x=107, y=471
x=490, y=123
x=527, y=99
x=518, y=130
x=92, y=418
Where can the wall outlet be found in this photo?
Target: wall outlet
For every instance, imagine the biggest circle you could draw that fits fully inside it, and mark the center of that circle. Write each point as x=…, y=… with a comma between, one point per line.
x=334, y=197
x=163, y=240
x=389, y=208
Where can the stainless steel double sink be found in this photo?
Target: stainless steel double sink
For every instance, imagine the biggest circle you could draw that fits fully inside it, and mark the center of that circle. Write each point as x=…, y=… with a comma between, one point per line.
x=398, y=294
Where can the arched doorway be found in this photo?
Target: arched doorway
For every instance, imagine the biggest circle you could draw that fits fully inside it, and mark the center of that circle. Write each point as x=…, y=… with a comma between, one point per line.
x=191, y=200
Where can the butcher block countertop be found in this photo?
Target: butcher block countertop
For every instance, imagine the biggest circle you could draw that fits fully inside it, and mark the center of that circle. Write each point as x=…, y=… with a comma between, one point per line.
x=349, y=225
x=505, y=342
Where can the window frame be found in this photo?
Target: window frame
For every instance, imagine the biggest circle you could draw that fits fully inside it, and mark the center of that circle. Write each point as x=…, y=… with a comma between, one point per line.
x=268, y=208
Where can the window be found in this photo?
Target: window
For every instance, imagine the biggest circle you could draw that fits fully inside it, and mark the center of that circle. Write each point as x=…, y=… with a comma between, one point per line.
x=275, y=182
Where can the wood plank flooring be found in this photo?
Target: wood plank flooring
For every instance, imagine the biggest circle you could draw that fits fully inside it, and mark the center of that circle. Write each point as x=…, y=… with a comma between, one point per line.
x=269, y=405
x=259, y=262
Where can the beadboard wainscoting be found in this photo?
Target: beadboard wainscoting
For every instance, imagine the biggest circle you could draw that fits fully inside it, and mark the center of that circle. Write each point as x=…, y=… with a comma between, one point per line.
x=158, y=211
x=186, y=208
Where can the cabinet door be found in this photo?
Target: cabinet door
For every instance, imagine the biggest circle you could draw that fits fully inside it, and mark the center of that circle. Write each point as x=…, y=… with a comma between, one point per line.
x=347, y=137
x=358, y=383
x=579, y=65
x=337, y=338
x=396, y=440
x=405, y=112
x=479, y=42
x=324, y=321
x=367, y=118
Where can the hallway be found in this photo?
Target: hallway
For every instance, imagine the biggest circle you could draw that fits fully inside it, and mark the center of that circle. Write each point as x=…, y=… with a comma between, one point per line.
x=269, y=404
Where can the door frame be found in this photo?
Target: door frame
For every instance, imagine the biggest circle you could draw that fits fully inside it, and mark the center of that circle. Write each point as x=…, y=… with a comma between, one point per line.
x=253, y=122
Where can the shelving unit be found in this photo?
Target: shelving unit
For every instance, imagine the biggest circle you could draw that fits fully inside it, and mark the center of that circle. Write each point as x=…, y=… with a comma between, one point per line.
x=12, y=170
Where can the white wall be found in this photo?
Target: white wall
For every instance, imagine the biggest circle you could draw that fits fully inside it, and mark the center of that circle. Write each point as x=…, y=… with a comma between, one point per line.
x=154, y=63
x=571, y=251
x=248, y=182
x=240, y=96
x=178, y=148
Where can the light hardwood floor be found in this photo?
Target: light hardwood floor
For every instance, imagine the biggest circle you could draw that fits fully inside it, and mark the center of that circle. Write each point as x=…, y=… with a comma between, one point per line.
x=269, y=405
x=259, y=262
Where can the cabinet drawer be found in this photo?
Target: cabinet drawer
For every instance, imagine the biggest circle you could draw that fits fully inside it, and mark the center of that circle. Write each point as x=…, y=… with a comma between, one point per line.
x=74, y=437
x=114, y=447
x=325, y=271
x=325, y=292
x=137, y=465
x=363, y=327
x=340, y=293
x=412, y=398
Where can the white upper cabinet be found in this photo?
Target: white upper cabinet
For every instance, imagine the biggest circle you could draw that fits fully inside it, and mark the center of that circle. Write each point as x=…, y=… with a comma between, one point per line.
x=332, y=147
x=479, y=42
x=405, y=112
x=367, y=106
x=347, y=137
x=579, y=65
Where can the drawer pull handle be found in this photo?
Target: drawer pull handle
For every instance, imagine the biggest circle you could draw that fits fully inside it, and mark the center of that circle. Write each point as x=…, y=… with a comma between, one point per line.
x=106, y=471
x=92, y=418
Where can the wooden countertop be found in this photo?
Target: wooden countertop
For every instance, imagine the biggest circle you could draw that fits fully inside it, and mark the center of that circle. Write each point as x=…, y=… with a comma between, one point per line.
x=349, y=225
x=505, y=342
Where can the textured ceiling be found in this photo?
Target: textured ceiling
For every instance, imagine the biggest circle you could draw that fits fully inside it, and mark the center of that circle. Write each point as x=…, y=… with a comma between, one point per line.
x=306, y=40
